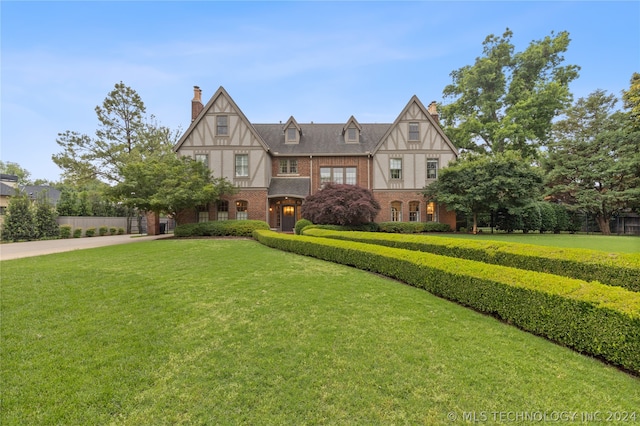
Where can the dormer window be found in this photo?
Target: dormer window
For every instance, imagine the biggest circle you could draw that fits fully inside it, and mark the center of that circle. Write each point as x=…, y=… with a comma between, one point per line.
x=292, y=134
x=292, y=131
x=351, y=131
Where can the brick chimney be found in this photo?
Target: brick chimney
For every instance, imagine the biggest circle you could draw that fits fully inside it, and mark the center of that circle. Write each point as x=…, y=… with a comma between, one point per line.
x=433, y=110
x=196, y=102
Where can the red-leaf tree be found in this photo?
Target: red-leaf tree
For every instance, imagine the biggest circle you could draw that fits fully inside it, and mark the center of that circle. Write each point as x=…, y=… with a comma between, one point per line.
x=340, y=205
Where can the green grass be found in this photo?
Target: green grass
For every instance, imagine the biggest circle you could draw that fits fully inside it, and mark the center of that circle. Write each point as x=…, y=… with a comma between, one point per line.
x=230, y=331
x=608, y=243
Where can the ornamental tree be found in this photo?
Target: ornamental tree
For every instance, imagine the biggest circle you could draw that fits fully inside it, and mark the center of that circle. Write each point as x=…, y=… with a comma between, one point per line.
x=339, y=204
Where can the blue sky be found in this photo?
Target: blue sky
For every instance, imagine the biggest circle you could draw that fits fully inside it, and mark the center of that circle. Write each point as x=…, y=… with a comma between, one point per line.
x=317, y=61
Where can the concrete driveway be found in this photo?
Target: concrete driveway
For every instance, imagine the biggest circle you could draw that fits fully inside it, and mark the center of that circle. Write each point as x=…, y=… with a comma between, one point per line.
x=36, y=248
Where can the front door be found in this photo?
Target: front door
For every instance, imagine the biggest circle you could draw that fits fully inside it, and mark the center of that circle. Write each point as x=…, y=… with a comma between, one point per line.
x=288, y=218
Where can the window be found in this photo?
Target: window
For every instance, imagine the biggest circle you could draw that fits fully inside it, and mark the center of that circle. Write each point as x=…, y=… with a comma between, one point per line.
x=203, y=216
x=340, y=175
x=432, y=169
x=292, y=134
x=396, y=211
x=289, y=166
x=396, y=168
x=241, y=210
x=223, y=210
x=351, y=134
x=242, y=165
x=222, y=125
x=203, y=158
x=414, y=211
x=414, y=131
x=431, y=212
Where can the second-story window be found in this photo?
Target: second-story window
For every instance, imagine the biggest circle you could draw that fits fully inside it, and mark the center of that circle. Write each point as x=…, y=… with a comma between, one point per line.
x=289, y=166
x=432, y=169
x=242, y=165
x=203, y=158
x=222, y=125
x=395, y=168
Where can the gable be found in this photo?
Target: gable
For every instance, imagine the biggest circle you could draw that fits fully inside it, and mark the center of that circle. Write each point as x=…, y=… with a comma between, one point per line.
x=220, y=123
x=402, y=133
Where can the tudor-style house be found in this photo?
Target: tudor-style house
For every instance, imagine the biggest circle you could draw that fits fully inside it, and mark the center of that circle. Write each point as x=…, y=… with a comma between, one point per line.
x=275, y=166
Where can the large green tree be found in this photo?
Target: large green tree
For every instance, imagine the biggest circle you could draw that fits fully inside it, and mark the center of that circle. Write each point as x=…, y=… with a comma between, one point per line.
x=124, y=135
x=506, y=100
x=11, y=168
x=592, y=162
x=165, y=183
x=481, y=183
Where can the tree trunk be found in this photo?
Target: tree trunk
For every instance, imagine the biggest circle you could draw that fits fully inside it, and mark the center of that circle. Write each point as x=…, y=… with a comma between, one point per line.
x=475, y=223
x=603, y=224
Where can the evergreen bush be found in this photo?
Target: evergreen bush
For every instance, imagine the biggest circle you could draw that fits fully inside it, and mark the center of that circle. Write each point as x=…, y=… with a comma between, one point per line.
x=77, y=233
x=65, y=231
x=90, y=232
x=102, y=231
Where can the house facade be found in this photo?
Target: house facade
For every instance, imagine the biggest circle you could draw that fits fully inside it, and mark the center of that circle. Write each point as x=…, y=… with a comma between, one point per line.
x=275, y=166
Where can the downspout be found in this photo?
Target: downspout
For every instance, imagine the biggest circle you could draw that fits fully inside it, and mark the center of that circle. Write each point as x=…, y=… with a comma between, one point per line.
x=310, y=174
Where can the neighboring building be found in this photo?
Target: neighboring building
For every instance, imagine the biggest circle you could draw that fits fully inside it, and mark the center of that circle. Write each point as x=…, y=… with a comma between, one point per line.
x=8, y=189
x=36, y=192
x=275, y=166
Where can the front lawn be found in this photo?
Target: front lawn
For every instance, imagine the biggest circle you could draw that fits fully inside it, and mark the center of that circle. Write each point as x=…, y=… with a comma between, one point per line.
x=230, y=331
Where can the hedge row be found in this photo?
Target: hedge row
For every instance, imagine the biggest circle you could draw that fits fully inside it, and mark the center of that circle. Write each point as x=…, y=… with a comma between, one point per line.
x=592, y=318
x=220, y=228
x=619, y=269
x=413, y=227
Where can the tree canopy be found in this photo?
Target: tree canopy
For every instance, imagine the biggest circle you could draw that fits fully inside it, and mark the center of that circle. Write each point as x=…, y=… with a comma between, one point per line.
x=124, y=134
x=506, y=100
x=169, y=184
x=592, y=162
x=480, y=183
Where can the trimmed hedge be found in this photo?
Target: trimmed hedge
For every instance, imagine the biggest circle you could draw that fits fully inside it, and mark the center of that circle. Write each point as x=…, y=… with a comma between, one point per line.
x=592, y=318
x=413, y=227
x=220, y=228
x=618, y=269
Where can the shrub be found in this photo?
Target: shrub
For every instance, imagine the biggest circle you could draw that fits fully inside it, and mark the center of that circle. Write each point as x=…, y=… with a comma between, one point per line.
x=120, y=231
x=77, y=233
x=401, y=227
x=90, y=232
x=19, y=224
x=340, y=205
x=436, y=227
x=531, y=220
x=102, y=231
x=562, y=218
x=113, y=230
x=593, y=318
x=65, y=231
x=616, y=269
x=220, y=228
x=300, y=225
x=547, y=217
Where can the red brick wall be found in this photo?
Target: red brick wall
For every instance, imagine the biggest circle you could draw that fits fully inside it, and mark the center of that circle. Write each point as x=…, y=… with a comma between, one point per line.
x=153, y=223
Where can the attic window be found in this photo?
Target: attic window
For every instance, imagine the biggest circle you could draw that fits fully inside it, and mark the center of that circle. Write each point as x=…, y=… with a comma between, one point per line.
x=414, y=132
x=351, y=134
x=222, y=125
x=292, y=134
